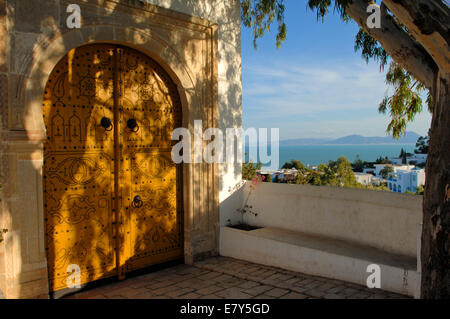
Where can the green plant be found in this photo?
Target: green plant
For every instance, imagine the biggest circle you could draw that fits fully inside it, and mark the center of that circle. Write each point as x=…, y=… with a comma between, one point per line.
x=422, y=145
x=358, y=165
x=247, y=209
x=386, y=171
x=420, y=190
x=249, y=170
x=294, y=164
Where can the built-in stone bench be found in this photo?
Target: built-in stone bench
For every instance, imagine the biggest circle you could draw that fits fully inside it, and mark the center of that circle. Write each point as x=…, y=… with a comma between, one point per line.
x=319, y=256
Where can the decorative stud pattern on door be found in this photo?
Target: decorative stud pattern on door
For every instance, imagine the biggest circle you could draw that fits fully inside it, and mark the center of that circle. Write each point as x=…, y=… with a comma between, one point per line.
x=112, y=194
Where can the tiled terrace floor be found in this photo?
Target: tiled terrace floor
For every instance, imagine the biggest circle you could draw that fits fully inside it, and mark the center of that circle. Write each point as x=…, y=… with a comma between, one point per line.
x=227, y=278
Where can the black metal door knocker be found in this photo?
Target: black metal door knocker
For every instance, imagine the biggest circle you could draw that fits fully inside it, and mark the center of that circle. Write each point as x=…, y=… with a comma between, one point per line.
x=137, y=202
x=106, y=123
x=133, y=125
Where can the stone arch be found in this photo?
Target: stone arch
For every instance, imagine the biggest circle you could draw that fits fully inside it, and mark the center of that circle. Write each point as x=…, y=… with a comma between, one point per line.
x=47, y=55
x=185, y=45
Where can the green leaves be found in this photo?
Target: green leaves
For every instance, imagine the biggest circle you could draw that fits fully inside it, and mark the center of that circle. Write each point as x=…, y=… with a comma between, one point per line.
x=406, y=101
x=344, y=176
x=249, y=170
x=336, y=173
x=370, y=49
x=386, y=171
x=321, y=7
x=259, y=15
x=422, y=145
x=294, y=164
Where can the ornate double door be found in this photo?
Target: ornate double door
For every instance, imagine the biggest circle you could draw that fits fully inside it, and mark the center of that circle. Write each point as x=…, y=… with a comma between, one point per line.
x=112, y=194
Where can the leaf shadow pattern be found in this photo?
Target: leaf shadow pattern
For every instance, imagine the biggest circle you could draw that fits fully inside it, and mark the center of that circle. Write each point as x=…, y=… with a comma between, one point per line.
x=52, y=29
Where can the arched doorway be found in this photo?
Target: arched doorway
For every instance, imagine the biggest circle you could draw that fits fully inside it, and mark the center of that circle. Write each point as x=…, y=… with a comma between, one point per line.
x=112, y=194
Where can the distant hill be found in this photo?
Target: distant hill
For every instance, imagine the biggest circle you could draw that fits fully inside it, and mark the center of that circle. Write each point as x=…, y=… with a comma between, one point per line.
x=408, y=138
x=306, y=141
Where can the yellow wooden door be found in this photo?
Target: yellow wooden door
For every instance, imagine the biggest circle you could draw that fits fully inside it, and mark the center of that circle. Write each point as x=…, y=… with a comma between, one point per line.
x=95, y=166
x=149, y=110
x=78, y=166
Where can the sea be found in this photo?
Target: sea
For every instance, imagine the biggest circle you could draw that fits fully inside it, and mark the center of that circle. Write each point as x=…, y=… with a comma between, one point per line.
x=314, y=155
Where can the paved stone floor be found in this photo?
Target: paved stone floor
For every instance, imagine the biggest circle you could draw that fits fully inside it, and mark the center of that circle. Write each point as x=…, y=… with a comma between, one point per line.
x=227, y=278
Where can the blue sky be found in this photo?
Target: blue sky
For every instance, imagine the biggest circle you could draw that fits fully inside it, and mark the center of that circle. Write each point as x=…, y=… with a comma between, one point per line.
x=316, y=85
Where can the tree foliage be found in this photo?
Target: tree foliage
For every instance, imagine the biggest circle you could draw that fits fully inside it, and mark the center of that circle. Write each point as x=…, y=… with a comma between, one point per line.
x=249, y=170
x=336, y=173
x=402, y=106
x=403, y=156
x=383, y=160
x=370, y=49
x=386, y=171
x=294, y=164
x=322, y=8
x=358, y=165
x=415, y=35
x=259, y=16
x=420, y=190
x=339, y=173
x=406, y=102
x=343, y=172
x=422, y=145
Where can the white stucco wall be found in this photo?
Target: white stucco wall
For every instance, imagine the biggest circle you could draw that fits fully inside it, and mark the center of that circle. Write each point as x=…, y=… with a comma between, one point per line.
x=226, y=13
x=383, y=220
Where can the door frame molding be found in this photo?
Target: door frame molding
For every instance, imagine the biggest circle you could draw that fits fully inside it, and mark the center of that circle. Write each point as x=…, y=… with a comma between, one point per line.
x=121, y=255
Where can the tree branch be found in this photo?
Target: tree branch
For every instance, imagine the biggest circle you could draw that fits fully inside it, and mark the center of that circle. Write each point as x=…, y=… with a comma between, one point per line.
x=398, y=44
x=428, y=21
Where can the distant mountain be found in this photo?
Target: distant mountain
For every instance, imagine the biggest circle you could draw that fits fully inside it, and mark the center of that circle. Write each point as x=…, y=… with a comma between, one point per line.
x=408, y=138
x=306, y=141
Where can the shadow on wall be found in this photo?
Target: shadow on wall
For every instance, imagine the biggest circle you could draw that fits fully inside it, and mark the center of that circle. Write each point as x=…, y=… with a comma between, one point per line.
x=79, y=163
x=229, y=55
x=37, y=24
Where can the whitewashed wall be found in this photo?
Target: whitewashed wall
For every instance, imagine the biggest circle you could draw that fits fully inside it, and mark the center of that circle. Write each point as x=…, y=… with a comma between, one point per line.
x=383, y=220
x=226, y=13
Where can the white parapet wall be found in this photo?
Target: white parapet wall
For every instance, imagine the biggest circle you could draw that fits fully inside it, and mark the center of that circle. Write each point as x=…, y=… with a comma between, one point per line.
x=332, y=232
x=383, y=220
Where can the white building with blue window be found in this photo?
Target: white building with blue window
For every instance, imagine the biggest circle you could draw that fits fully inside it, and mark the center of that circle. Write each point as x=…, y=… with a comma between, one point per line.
x=414, y=159
x=395, y=168
x=403, y=181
